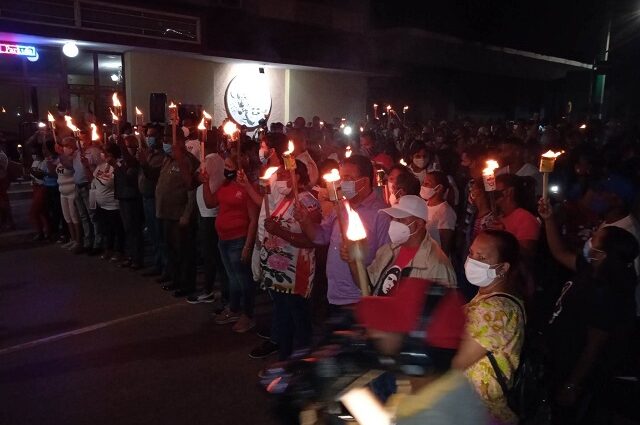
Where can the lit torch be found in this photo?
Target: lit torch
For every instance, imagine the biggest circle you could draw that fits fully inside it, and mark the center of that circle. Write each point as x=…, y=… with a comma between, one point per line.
x=203, y=140
x=207, y=119
x=117, y=106
x=76, y=130
x=375, y=110
x=547, y=163
x=139, y=117
x=332, y=180
x=231, y=130
x=348, y=152
x=404, y=113
x=265, y=188
x=94, y=133
x=52, y=123
x=489, y=180
x=173, y=116
x=403, y=162
x=357, y=236
x=290, y=164
x=380, y=182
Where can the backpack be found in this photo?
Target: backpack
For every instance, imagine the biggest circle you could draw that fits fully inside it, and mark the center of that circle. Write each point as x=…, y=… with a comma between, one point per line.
x=528, y=394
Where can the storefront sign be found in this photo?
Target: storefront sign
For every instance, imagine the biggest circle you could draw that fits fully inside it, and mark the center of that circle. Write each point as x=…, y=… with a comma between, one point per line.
x=17, y=50
x=248, y=99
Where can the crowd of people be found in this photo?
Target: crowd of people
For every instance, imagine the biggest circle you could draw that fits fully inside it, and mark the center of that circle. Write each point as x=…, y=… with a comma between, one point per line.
x=566, y=266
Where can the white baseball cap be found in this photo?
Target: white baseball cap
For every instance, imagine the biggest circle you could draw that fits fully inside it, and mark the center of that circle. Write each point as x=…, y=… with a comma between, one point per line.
x=408, y=205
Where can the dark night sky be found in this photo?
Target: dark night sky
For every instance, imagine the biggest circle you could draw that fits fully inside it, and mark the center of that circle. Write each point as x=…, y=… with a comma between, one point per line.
x=566, y=28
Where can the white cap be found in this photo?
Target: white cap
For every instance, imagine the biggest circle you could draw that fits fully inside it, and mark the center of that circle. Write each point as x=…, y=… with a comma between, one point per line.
x=408, y=205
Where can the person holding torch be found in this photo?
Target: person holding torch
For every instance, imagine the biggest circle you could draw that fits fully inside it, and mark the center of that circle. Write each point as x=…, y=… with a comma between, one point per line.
x=356, y=173
x=287, y=258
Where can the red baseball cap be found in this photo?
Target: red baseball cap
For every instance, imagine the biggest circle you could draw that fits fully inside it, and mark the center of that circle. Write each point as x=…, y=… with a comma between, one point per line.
x=401, y=312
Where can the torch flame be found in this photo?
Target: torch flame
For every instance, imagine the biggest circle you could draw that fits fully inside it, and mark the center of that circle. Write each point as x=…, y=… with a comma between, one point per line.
x=332, y=176
x=290, y=148
x=347, y=152
x=405, y=109
x=206, y=114
x=403, y=162
x=138, y=111
x=491, y=166
x=201, y=126
x=114, y=117
x=269, y=173
x=375, y=105
x=116, y=101
x=230, y=128
x=50, y=117
x=94, y=132
x=583, y=126
x=172, y=105
x=552, y=154
x=355, y=229
x=388, y=108
x=70, y=124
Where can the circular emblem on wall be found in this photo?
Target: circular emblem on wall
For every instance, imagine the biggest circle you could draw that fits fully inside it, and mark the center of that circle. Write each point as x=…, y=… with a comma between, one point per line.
x=248, y=99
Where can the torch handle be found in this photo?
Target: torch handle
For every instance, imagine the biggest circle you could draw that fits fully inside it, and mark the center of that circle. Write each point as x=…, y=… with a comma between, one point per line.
x=363, y=278
x=339, y=206
x=174, y=131
x=545, y=186
x=267, y=212
x=294, y=184
x=492, y=202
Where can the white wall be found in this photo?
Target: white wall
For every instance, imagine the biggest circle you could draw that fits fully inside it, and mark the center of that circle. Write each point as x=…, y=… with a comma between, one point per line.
x=195, y=81
x=327, y=94
x=183, y=79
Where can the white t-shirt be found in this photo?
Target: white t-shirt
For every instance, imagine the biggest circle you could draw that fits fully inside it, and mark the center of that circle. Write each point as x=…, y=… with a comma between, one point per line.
x=66, y=185
x=103, y=186
x=440, y=217
x=204, y=211
x=193, y=147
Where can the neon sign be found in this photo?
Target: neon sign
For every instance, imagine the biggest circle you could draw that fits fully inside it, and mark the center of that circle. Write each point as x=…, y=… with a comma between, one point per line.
x=18, y=50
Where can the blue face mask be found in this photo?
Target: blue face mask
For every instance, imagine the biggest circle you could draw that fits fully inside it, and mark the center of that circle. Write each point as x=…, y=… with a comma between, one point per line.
x=168, y=148
x=151, y=141
x=586, y=250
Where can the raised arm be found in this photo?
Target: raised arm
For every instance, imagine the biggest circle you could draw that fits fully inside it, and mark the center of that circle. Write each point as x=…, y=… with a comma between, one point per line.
x=556, y=246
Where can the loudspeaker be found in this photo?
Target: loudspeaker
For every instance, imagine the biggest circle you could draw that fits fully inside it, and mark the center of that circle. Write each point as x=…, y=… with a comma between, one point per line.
x=157, y=107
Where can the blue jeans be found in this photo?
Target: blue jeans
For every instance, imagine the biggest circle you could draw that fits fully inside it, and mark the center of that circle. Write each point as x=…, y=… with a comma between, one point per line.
x=292, y=320
x=241, y=286
x=90, y=226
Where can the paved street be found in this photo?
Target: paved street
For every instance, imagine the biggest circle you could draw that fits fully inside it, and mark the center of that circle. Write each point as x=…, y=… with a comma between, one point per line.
x=82, y=341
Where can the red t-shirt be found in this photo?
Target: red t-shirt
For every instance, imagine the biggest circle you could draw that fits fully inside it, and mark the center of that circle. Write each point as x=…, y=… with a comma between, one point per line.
x=522, y=224
x=233, y=219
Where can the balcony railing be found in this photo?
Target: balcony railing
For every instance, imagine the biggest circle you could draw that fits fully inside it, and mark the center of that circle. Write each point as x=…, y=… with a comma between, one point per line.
x=104, y=17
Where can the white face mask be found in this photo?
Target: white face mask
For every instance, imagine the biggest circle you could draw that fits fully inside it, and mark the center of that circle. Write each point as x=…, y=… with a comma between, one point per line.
x=427, y=193
x=478, y=273
x=349, y=188
x=420, y=162
x=281, y=187
x=399, y=232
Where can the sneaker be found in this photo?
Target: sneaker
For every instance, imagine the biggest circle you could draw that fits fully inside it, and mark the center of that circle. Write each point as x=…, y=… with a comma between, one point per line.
x=243, y=324
x=227, y=316
x=68, y=245
x=264, y=333
x=203, y=297
x=263, y=350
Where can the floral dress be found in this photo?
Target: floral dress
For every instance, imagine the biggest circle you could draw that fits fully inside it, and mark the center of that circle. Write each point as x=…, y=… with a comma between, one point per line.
x=288, y=269
x=497, y=324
